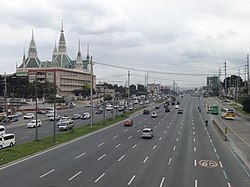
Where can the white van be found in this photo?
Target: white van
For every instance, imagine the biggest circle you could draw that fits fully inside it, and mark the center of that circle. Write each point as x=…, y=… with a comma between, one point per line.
x=2, y=130
x=7, y=140
x=66, y=125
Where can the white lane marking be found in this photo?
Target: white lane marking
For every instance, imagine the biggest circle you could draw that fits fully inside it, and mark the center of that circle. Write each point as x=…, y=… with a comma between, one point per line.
x=167, y=127
x=25, y=137
x=75, y=175
x=131, y=180
x=214, y=150
x=134, y=146
x=115, y=136
x=129, y=137
x=218, y=156
x=138, y=130
x=194, y=139
x=169, y=161
x=159, y=122
x=80, y=155
x=145, y=119
x=155, y=126
x=121, y=158
x=229, y=185
x=195, y=163
x=162, y=181
x=195, y=183
x=99, y=177
x=101, y=156
x=160, y=138
x=118, y=145
x=144, y=125
x=145, y=160
x=212, y=145
x=193, y=127
x=225, y=175
x=149, y=122
x=174, y=148
x=125, y=130
x=100, y=144
x=165, y=132
x=177, y=139
x=194, y=149
x=179, y=132
x=193, y=133
x=221, y=164
x=180, y=127
x=45, y=132
x=47, y=173
x=154, y=147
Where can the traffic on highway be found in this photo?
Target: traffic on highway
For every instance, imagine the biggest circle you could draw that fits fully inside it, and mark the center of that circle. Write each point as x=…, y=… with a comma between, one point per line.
x=168, y=149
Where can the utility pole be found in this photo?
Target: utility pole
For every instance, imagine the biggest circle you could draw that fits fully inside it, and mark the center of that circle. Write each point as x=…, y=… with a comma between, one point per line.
x=248, y=74
x=91, y=93
x=36, y=110
x=5, y=95
x=54, y=126
x=128, y=84
x=219, y=80
x=225, y=66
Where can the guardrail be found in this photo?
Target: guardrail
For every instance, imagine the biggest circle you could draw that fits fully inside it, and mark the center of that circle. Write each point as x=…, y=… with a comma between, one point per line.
x=221, y=133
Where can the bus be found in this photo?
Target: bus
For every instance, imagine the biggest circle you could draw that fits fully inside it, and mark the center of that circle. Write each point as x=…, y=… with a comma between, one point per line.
x=227, y=113
x=214, y=109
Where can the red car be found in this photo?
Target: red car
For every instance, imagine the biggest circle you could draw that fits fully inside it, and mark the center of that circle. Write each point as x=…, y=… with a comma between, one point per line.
x=128, y=123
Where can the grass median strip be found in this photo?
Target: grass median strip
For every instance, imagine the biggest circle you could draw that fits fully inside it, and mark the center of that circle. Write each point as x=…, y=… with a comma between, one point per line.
x=22, y=150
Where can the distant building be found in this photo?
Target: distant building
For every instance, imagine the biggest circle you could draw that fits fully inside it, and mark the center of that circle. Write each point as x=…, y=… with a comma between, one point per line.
x=67, y=74
x=213, y=85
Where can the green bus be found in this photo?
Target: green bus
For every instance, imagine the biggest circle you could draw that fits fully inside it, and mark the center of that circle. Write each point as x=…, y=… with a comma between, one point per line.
x=214, y=109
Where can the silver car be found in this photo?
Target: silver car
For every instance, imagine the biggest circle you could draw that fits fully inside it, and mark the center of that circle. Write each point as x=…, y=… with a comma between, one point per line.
x=147, y=133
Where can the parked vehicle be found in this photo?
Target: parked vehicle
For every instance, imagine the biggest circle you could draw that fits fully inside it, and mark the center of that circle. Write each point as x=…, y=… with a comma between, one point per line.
x=7, y=140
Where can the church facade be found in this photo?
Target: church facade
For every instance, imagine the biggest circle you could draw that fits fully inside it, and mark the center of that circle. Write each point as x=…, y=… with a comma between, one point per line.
x=67, y=74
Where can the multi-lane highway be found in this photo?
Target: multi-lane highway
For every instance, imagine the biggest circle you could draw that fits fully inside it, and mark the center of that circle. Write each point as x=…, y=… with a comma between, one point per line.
x=183, y=152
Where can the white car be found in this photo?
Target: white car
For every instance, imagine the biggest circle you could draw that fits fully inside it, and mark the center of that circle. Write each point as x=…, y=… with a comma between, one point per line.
x=64, y=118
x=154, y=114
x=176, y=106
x=29, y=116
x=32, y=123
x=147, y=133
x=85, y=115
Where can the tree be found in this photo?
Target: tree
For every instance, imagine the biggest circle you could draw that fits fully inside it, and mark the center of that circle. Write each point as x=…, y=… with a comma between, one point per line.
x=246, y=104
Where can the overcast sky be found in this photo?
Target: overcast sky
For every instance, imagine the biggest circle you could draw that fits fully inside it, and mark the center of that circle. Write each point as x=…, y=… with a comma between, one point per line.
x=173, y=40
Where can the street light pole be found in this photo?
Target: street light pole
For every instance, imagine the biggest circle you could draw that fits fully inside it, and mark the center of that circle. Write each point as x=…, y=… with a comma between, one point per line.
x=91, y=93
x=54, y=126
x=5, y=95
x=36, y=110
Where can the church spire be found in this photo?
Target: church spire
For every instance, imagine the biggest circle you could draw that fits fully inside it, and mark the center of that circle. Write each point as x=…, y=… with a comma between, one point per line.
x=24, y=55
x=79, y=64
x=62, y=42
x=54, y=53
x=87, y=58
x=32, y=49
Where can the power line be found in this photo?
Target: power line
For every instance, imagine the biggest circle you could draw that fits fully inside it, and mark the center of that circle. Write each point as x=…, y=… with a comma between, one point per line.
x=151, y=71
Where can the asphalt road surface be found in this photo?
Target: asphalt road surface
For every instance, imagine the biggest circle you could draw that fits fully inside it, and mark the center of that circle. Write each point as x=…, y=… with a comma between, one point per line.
x=182, y=153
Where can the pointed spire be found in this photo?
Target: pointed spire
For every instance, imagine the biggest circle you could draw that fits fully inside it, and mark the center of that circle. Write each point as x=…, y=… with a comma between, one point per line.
x=62, y=42
x=87, y=58
x=54, y=53
x=32, y=49
x=24, y=55
x=79, y=64
x=62, y=27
